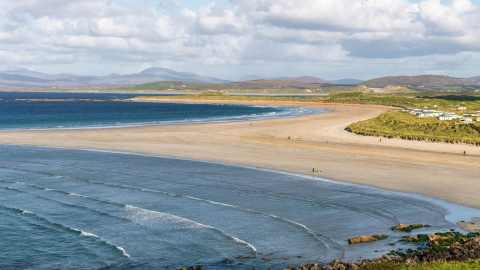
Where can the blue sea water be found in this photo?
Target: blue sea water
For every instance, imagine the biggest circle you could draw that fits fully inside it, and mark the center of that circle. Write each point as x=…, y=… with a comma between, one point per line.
x=74, y=209
x=68, y=110
x=77, y=209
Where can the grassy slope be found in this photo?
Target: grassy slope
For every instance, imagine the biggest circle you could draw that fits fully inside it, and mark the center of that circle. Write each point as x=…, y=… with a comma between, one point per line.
x=446, y=103
x=403, y=125
x=474, y=265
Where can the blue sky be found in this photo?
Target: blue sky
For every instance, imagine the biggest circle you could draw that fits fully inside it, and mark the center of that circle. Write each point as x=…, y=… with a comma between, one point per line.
x=245, y=38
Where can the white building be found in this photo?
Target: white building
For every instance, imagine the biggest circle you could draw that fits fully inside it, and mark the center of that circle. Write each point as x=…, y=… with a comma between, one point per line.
x=448, y=117
x=467, y=120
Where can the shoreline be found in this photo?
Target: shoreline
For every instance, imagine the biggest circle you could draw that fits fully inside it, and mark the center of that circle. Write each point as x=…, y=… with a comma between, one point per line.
x=467, y=213
x=393, y=164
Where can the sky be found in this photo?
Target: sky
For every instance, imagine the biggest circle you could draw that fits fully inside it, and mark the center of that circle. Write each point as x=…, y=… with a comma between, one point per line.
x=242, y=39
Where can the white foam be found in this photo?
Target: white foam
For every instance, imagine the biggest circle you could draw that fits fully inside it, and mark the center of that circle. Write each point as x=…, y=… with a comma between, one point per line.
x=291, y=222
x=240, y=241
x=123, y=251
x=211, y=202
x=92, y=235
x=141, y=214
x=75, y=194
x=87, y=234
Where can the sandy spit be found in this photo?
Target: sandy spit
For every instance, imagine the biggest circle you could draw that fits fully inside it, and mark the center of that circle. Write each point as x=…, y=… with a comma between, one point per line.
x=294, y=145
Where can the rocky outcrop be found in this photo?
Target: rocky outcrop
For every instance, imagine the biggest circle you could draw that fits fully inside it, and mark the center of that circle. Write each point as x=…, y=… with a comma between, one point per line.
x=366, y=239
x=450, y=246
x=470, y=226
x=198, y=267
x=408, y=227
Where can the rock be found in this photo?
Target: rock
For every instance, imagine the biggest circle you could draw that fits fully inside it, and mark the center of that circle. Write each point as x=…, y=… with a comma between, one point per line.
x=471, y=226
x=437, y=238
x=228, y=261
x=420, y=238
x=408, y=227
x=197, y=267
x=366, y=239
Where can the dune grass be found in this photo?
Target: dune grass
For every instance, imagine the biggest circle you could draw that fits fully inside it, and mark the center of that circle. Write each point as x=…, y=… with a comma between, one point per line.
x=472, y=265
x=409, y=100
x=402, y=125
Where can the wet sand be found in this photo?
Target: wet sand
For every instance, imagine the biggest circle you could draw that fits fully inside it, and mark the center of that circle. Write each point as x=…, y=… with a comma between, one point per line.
x=295, y=145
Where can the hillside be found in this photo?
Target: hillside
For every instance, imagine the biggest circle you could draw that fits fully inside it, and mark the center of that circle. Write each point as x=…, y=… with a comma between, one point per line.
x=422, y=81
x=27, y=78
x=405, y=126
x=294, y=82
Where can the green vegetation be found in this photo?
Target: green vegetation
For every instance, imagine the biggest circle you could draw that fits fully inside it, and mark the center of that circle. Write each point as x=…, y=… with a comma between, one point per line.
x=408, y=100
x=217, y=96
x=439, y=247
x=402, y=125
x=409, y=227
x=470, y=265
x=175, y=85
x=261, y=87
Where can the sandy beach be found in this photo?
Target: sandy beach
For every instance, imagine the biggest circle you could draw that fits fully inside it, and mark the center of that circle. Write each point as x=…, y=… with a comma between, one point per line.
x=294, y=145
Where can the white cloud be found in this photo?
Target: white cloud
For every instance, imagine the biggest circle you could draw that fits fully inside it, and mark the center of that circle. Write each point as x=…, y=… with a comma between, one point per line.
x=271, y=32
x=216, y=21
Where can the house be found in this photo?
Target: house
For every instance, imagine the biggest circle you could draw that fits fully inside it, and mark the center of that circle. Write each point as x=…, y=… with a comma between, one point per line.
x=448, y=117
x=467, y=120
x=428, y=113
x=415, y=112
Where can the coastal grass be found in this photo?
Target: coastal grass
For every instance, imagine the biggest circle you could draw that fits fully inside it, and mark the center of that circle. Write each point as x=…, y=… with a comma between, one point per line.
x=395, y=124
x=469, y=265
x=451, y=103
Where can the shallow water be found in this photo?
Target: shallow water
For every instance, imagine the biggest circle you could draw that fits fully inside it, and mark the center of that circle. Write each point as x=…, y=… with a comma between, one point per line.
x=69, y=209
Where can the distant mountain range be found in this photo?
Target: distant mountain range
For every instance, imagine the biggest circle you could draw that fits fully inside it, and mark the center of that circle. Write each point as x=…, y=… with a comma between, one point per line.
x=292, y=82
x=423, y=81
x=18, y=78
x=276, y=83
x=347, y=81
x=28, y=78
x=24, y=78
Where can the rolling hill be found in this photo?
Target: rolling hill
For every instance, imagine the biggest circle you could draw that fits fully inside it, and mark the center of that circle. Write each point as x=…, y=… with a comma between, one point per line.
x=27, y=78
x=423, y=81
x=281, y=83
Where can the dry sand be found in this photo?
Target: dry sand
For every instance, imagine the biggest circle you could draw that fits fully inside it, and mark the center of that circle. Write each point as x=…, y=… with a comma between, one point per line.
x=316, y=141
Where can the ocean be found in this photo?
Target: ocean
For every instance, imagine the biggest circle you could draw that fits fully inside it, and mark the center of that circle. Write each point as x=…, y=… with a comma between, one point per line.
x=69, y=110
x=80, y=209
